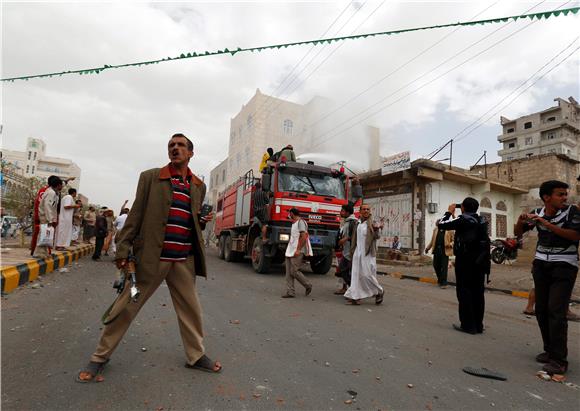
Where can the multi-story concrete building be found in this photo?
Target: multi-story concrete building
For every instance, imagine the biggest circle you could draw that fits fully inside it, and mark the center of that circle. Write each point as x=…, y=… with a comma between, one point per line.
x=267, y=121
x=555, y=130
x=217, y=181
x=35, y=163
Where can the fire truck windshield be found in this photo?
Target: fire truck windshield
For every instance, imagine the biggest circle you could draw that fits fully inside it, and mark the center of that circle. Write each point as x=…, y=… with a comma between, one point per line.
x=322, y=185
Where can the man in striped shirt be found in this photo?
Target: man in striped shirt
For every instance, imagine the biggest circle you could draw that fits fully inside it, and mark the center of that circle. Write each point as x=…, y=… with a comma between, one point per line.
x=554, y=269
x=163, y=232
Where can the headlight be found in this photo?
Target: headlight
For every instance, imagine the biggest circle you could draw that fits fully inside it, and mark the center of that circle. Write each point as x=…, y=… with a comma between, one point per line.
x=284, y=237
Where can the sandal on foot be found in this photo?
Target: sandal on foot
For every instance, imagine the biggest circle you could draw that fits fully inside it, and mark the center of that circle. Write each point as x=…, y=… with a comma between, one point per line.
x=352, y=302
x=379, y=298
x=529, y=312
x=205, y=364
x=91, y=372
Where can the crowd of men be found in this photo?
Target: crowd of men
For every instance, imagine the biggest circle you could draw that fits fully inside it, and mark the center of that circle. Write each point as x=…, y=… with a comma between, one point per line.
x=64, y=213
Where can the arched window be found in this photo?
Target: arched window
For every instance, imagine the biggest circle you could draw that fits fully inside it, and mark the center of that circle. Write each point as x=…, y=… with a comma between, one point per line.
x=485, y=203
x=250, y=122
x=501, y=206
x=288, y=124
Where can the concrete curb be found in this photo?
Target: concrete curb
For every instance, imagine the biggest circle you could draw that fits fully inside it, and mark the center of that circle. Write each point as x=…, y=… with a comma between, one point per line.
x=431, y=280
x=14, y=276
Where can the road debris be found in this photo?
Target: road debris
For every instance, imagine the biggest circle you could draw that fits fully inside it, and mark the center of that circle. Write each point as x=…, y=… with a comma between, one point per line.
x=348, y=402
x=543, y=375
x=143, y=349
x=234, y=322
x=410, y=385
x=352, y=393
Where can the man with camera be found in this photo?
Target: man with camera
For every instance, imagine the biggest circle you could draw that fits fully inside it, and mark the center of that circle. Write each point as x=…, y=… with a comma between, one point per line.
x=472, y=262
x=163, y=233
x=554, y=269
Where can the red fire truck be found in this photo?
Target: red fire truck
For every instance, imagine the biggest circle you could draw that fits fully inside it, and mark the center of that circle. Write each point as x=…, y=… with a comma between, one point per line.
x=318, y=192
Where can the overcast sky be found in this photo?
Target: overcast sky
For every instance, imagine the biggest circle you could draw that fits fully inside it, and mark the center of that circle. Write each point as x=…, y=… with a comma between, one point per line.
x=116, y=124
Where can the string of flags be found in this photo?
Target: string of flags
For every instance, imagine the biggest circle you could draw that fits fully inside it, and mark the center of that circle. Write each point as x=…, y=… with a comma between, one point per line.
x=233, y=51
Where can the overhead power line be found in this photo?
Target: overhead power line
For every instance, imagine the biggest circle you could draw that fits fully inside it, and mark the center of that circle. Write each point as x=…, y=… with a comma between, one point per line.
x=234, y=51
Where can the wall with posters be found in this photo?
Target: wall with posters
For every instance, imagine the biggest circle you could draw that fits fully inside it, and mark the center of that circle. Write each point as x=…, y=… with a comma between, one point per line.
x=396, y=210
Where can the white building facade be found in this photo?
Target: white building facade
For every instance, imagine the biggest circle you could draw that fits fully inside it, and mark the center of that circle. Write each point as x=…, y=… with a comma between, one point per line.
x=35, y=163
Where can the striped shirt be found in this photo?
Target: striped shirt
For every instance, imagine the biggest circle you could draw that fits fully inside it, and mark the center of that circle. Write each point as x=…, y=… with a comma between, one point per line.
x=550, y=246
x=177, y=242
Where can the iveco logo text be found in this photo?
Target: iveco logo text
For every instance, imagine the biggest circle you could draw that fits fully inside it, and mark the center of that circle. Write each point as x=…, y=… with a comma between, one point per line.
x=314, y=217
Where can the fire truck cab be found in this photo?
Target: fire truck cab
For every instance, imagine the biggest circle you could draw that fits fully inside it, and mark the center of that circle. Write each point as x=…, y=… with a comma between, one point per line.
x=245, y=207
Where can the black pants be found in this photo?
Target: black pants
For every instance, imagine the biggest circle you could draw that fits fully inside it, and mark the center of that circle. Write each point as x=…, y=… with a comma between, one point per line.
x=99, y=242
x=470, y=289
x=440, y=264
x=554, y=282
x=344, y=270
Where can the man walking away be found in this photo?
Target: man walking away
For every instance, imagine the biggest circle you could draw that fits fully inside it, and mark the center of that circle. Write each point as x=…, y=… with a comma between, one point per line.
x=442, y=245
x=554, y=269
x=164, y=232
x=346, y=234
x=298, y=247
x=472, y=262
x=48, y=212
x=100, y=234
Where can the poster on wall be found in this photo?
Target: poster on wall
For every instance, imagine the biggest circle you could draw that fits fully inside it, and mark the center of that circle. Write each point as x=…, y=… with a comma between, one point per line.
x=396, y=162
x=396, y=213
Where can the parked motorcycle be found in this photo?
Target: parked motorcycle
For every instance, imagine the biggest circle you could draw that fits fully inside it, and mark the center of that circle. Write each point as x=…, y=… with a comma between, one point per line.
x=505, y=249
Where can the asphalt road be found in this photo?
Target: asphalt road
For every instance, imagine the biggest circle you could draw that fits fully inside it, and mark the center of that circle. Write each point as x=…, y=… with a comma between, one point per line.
x=278, y=354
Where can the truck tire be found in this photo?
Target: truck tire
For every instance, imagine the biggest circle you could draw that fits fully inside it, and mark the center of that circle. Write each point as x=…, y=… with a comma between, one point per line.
x=260, y=262
x=221, y=247
x=321, y=264
x=229, y=255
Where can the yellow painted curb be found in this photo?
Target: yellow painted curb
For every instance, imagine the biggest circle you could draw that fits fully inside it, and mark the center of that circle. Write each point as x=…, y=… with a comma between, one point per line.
x=33, y=270
x=522, y=294
x=11, y=276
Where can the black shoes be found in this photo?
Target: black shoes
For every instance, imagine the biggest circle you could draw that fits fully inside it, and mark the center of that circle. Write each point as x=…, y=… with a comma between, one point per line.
x=308, y=290
x=554, y=367
x=459, y=328
x=543, y=358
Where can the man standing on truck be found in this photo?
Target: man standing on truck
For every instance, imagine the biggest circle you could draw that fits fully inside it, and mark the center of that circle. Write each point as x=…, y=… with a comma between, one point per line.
x=298, y=247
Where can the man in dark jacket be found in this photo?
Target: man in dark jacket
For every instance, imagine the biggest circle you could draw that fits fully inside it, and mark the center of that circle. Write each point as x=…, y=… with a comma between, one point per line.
x=100, y=234
x=472, y=262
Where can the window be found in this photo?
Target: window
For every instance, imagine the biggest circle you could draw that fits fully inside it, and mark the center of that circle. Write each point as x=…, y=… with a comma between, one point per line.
x=529, y=141
x=500, y=226
x=512, y=144
x=501, y=206
x=509, y=158
x=511, y=130
x=485, y=203
x=528, y=125
x=240, y=129
x=250, y=122
x=27, y=169
x=487, y=217
x=551, y=136
x=32, y=169
x=224, y=175
x=29, y=154
x=551, y=119
x=35, y=155
x=288, y=127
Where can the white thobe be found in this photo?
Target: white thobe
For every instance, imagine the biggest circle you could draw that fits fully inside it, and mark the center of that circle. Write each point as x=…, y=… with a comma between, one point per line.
x=364, y=282
x=65, y=222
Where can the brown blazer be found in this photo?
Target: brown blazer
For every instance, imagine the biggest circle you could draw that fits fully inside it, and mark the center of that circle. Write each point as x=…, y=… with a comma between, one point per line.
x=144, y=229
x=371, y=240
x=449, y=236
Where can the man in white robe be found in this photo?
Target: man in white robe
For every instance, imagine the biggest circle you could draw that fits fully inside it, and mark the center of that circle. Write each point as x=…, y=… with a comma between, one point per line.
x=65, y=220
x=364, y=282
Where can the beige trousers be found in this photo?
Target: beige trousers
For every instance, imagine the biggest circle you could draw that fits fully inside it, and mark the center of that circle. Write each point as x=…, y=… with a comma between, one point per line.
x=181, y=284
x=293, y=265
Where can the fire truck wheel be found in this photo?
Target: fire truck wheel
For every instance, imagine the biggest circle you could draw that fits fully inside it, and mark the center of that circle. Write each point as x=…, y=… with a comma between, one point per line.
x=229, y=254
x=221, y=247
x=322, y=264
x=260, y=262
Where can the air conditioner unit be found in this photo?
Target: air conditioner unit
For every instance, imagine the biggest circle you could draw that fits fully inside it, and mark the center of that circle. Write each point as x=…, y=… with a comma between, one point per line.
x=432, y=207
